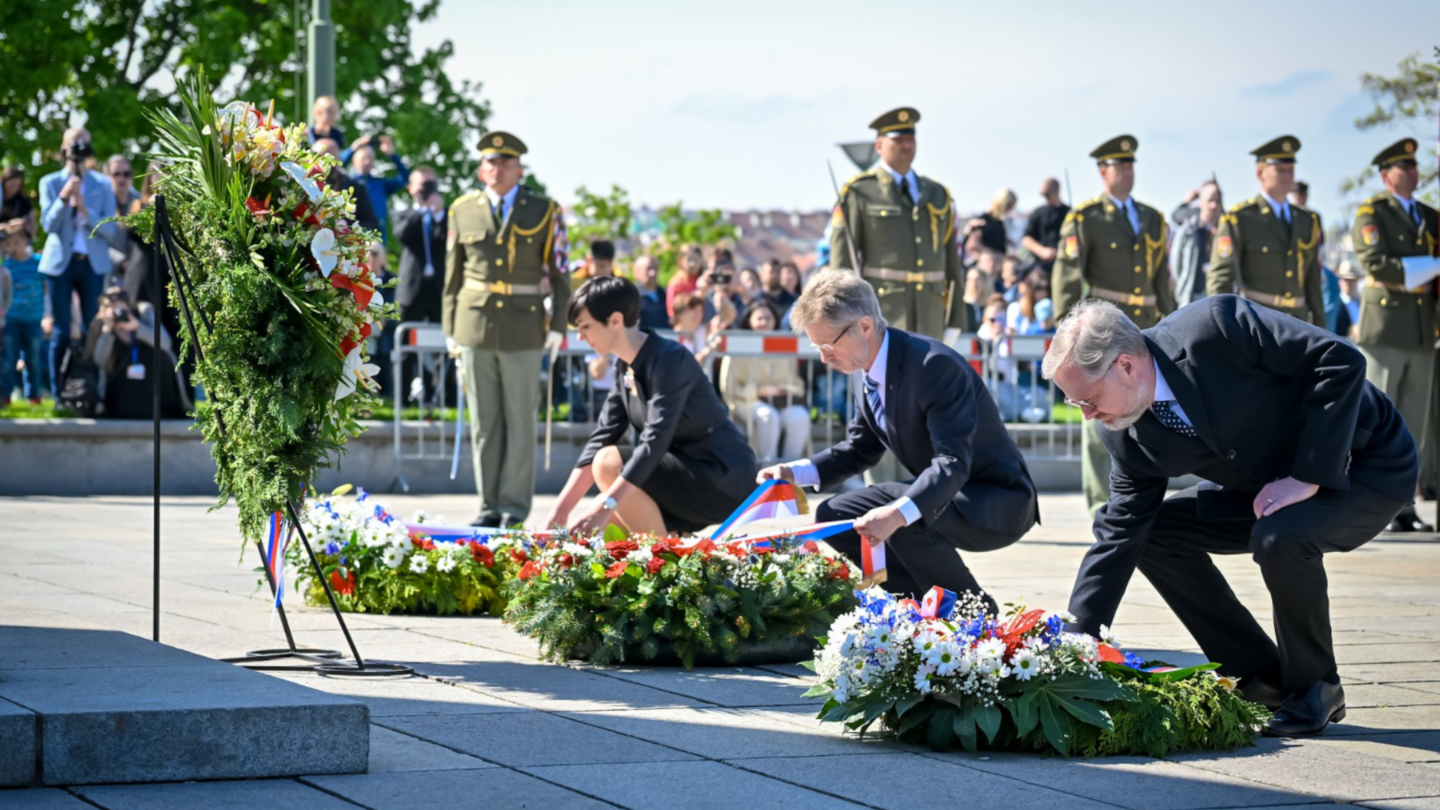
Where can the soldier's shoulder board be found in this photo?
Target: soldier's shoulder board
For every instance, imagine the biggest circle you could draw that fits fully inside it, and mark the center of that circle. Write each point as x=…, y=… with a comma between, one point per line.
x=1086, y=205
x=861, y=177
x=1243, y=204
x=469, y=196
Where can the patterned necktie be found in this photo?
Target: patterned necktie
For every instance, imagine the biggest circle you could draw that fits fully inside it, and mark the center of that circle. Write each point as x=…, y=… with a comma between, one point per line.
x=872, y=396
x=1164, y=411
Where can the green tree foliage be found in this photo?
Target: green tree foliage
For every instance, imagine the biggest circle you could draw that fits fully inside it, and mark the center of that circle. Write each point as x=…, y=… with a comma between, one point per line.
x=680, y=228
x=105, y=62
x=1411, y=100
x=599, y=216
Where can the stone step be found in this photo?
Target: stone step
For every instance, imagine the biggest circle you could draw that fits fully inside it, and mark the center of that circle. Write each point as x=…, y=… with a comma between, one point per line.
x=85, y=705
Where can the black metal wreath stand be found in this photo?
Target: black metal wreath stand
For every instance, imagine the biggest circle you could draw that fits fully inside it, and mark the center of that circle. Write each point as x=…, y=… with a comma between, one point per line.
x=325, y=662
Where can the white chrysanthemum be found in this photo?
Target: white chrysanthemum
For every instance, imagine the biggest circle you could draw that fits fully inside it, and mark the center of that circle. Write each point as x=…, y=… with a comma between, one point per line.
x=445, y=564
x=419, y=563
x=420, y=516
x=926, y=638
x=397, y=536
x=641, y=555
x=576, y=550
x=990, y=648
x=1025, y=665
x=393, y=556
x=922, y=680
x=945, y=657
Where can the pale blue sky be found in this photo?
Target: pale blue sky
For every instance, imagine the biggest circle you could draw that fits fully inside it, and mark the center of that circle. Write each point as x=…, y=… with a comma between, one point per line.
x=738, y=104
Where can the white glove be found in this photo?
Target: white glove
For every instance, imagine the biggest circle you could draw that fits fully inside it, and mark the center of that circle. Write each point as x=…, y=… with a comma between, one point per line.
x=951, y=335
x=553, y=341
x=451, y=346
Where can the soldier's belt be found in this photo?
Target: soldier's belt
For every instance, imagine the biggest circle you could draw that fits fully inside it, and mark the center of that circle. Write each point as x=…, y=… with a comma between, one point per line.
x=907, y=276
x=1397, y=287
x=1128, y=299
x=1276, y=301
x=502, y=287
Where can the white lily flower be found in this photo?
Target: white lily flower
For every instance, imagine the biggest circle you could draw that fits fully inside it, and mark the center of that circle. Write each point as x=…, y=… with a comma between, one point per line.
x=357, y=374
x=297, y=173
x=322, y=247
x=378, y=301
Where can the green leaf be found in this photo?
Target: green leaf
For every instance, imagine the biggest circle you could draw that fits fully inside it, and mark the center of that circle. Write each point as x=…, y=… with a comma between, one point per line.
x=1055, y=724
x=941, y=729
x=1024, y=712
x=613, y=533
x=877, y=706
x=964, y=726
x=907, y=703
x=817, y=690
x=1087, y=712
x=988, y=718
x=916, y=718
x=343, y=489
x=1079, y=686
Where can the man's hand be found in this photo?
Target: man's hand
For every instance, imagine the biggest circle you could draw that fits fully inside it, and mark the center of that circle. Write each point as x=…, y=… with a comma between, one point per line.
x=878, y=524
x=1046, y=254
x=593, y=519
x=451, y=347
x=553, y=341
x=1279, y=494
x=1192, y=195
x=363, y=140
x=780, y=471
x=387, y=146
x=70, y=192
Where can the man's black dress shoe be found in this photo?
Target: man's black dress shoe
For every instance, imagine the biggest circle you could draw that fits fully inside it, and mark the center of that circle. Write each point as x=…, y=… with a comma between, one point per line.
x=487, y=520
x=1409, y=521
x=1258, y=690
x=1309, y=712
x=508, y=520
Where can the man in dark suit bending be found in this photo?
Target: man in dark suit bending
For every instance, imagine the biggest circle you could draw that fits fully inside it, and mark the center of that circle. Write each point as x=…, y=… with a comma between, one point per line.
x=969, y=489
x=1299, y=457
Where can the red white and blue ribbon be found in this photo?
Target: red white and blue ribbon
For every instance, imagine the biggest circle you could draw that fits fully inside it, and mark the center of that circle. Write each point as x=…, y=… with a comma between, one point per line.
x=938, y=603
x=275, y=544
x=484, y=534
x=775, y=498
x=872, y=563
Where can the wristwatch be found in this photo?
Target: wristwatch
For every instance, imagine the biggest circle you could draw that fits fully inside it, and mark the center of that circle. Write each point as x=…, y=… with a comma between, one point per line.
x=610, y=503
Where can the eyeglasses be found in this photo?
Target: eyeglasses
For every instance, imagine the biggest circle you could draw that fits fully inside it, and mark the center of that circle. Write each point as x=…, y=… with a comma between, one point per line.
x=122, y=174
x=827, y=348
x=1087, y=403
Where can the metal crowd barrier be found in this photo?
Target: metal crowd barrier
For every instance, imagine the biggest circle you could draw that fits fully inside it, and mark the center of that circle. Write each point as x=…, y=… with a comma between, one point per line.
x=1009, y=367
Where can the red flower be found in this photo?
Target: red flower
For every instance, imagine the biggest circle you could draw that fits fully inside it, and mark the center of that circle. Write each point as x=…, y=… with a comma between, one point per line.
x=482, y=554
x=583, y=542
x=345, y=586
x=566, y=560
x=302, y=213
x=811, y=547
x=616, y=569
x=655, y=564
x=620, y=549
x=423, y=543
x=530, y=569
x=704, y=548
x=841, y=571
x=737, y=549
x=518, y=555
x=1110, y=654
x=256, y=207
x=762, y=549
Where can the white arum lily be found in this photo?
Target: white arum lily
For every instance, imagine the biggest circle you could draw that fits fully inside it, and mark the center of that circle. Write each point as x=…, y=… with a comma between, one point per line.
x=377, y=301
x=297, y=172
x=322, y=247
x=357, y=374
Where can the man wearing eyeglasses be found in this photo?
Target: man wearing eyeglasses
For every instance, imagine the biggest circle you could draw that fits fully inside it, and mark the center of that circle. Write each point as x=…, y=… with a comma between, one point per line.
x=1322, y=467
x=967, y=487
x=1397, y=331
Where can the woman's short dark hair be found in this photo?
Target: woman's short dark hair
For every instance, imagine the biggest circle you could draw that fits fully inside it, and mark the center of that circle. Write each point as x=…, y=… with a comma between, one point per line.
x=757, y=306
x=602, y=297
x=602, y=249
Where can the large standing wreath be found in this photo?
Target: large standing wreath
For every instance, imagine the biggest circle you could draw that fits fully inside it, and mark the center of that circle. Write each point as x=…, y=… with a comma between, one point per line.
x=279, y=293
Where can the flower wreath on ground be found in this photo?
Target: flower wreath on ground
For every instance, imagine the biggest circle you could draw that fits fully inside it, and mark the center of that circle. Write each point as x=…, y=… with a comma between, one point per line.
x=378, y=563
x=278, y=290
x=942, y=671
x=619, y=598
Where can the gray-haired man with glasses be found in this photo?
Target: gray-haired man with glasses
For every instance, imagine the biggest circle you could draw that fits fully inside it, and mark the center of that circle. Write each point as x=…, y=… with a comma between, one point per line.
x=967, y=487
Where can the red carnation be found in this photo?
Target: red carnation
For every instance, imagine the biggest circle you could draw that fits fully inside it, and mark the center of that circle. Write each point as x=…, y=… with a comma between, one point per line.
x=762, y=549
x=616, y=569
x=655, y=564
x=423, y=543
x=566, y=560
x=841, y=572
x=530, y=569
x=519, y=555
x=811, y=547
x=345, y=586
x=483, y=554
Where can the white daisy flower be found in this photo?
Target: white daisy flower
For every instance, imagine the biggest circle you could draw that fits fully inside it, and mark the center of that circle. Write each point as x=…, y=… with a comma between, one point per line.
x=445, y=564
x=990, y=648
x=1025, y=665
x=419, y=563
x=393, y=556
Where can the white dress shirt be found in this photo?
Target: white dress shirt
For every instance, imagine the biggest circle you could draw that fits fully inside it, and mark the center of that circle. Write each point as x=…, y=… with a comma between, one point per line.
x=508, y=200
x=1131, y=212
x=1281, y=209
x=804, y=470
x=910, y=179
x=1164, y=394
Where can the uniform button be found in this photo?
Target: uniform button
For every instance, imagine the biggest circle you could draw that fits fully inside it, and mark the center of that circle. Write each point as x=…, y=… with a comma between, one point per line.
x=1135, y=247
x=1382, y=302
x=499, y=261
x=1138, y=290
x=1112, y=245
x=919, y=262
x=1265, y=249
x=919, y=286
x=1137, y=313
x=1137, y=268
x=917, y=240
x=532, y=307
x=883, y=213
x=1289, y=274
x=1230, y=456
x=499, y=304
x=1289, y=253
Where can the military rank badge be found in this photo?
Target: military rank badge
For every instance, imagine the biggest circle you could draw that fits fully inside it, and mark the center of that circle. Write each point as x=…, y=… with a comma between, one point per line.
x=1224, y=247
x=1072, y=246
x=1370, y=234
x=837, y=218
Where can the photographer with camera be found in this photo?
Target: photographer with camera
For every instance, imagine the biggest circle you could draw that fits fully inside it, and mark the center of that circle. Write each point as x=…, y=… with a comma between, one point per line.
x=73, y=203
x=119, y=346
x=420, y=230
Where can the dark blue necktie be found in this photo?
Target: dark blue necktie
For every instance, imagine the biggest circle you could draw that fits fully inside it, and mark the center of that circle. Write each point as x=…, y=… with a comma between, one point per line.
x=425, y=229
x=1415, y=213
x=1163, y=410
x=877, y=407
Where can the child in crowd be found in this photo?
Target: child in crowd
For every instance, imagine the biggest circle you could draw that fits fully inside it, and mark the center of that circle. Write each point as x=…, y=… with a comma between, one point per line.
x=22, y=307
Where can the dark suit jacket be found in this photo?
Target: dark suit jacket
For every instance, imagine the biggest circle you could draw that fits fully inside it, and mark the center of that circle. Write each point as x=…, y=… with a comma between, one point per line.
x=676, y=410
x=1269, y=396
x=410, y=233
x=943, y=426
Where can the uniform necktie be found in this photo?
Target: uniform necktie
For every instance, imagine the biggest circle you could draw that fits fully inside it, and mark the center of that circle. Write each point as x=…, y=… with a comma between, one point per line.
x=1285, y=214
x=905, y=192
x=872, y=396
x=1163, y=410
x=1415, y=213
x=500, y=210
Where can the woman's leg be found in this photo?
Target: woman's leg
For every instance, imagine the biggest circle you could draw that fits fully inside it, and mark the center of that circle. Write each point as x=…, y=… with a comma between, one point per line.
x=638, y=512
x=795, y=424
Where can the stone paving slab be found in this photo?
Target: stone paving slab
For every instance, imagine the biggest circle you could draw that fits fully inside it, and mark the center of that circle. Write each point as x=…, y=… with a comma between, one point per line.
x=725, y=733
x=489, y=788
x=41, y=799
x=393, y=752
x=530, y=738
x=721, y=686
x=697, y=785
x=1322, y=771
x=17, y=745
x=556, y=688
x=1408, y=747
x=388, y=697
x=191, y=795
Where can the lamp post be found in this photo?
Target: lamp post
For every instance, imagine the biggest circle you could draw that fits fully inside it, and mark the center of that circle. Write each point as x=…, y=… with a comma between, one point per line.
x=320, y=55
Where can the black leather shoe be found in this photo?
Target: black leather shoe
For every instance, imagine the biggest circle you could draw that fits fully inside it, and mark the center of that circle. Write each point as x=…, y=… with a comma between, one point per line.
x=487, y=520
x=508, y=520
x=1409, y=521
x=1258, y=690
x=1309, y=712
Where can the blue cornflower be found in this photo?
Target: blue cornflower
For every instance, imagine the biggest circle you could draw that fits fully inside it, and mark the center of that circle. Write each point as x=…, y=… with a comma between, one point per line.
x=361, y=494
x=332, y=547
x=1134, y=661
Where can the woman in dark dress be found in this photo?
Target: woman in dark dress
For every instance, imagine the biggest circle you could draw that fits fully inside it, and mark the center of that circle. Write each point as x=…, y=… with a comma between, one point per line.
x=690, y=466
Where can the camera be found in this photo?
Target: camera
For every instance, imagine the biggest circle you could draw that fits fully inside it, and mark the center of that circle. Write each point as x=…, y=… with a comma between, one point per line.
x=122, y=315
x=78, y=151
x=429, y=187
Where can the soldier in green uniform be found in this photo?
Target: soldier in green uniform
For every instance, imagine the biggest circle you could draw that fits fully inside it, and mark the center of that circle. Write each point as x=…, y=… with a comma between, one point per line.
x=903, y=230
x=1267, y=249
x=1115, y=248
x=506, y=254
x=1397, y=330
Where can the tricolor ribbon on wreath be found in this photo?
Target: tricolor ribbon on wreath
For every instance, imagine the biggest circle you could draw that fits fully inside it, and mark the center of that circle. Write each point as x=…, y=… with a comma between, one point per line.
x=276, y=541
